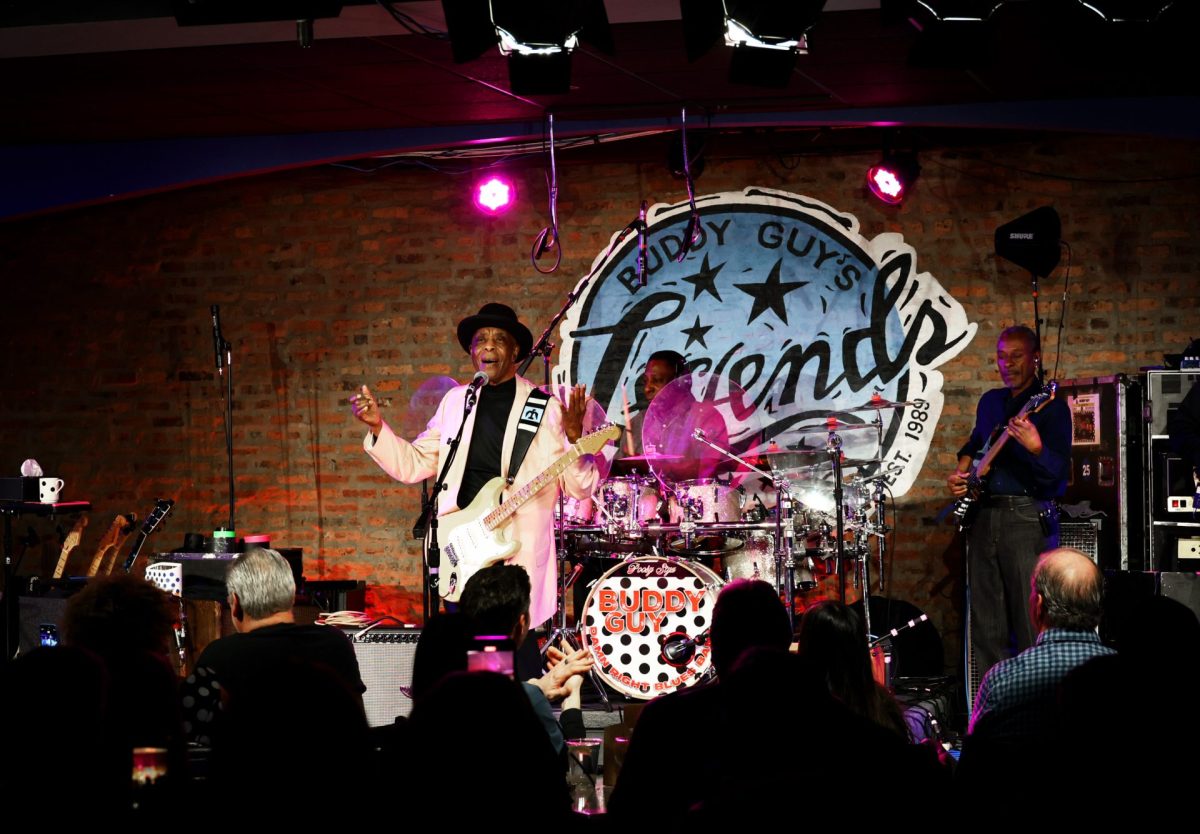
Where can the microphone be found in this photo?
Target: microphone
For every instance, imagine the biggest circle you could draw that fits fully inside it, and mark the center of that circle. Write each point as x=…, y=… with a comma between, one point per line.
x=218, y=342
x=699, y=434
x=641, y=221
x=478, y=381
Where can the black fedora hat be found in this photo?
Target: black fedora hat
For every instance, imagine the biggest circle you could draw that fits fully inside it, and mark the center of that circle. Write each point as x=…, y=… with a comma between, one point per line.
x=496, y=315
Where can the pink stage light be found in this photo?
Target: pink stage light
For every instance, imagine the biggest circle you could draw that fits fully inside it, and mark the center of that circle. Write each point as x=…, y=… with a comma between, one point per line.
x=885, y=184
x=495, y=195
x=891, y=179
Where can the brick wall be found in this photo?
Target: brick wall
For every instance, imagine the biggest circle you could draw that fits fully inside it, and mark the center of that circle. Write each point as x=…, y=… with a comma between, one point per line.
x=328, y=279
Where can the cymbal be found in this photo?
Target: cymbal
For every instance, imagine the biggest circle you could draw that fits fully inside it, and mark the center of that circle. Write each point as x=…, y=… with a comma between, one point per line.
x=781, y=452
x=651, y=458
x=878, y=403
x=860, y=462
x=832, y=424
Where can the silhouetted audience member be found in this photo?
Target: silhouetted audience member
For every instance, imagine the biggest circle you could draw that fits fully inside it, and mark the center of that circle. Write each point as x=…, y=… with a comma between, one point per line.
x=674, y=760
x=129, y=624
x=1137, y=705
x=261, y=591
x=291, y=745
x=479, y=755
x=832, y=638
x=495, y=602
x=441, y=649
x=784, y=749
x=55, y=707
x=1016, y=711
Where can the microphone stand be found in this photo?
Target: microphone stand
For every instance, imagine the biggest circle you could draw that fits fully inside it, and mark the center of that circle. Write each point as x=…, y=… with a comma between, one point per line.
x=429, y=518
x=227, y=348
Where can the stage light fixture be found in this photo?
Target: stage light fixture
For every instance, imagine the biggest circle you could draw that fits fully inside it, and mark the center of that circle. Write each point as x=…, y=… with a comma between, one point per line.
x=893, y=177
x=536, y=36
x=1126, y=11
x=494, y=194
x=765, y=35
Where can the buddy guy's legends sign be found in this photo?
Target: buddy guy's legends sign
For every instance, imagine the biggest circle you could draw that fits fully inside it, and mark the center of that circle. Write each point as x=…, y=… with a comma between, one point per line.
x=782, y=296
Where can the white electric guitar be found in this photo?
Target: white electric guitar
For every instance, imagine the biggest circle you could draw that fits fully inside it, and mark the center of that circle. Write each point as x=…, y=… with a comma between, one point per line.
x=475, y=536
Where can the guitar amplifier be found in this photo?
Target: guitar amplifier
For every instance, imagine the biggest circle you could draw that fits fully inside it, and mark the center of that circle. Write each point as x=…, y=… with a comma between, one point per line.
x=385, y=662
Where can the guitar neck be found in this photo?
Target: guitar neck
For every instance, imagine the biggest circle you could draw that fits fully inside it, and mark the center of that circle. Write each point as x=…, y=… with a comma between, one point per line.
x=985, y=462
x=502, y=513
x=69, y=544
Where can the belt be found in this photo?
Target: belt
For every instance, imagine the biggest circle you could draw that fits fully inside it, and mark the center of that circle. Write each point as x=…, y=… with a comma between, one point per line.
x=1014, y=501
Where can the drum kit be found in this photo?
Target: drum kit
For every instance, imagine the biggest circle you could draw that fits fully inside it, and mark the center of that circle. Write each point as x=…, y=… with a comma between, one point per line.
x=698, y=506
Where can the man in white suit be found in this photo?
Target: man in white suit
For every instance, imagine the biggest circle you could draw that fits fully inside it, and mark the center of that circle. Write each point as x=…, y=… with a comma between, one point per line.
x=496, y=342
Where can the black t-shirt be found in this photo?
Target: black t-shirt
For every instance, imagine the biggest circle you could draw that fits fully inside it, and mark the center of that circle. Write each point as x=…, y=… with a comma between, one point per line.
x=487, y=438
x=240, y=657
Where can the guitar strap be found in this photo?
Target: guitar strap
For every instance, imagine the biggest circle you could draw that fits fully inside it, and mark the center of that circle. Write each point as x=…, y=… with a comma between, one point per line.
x=531, y=417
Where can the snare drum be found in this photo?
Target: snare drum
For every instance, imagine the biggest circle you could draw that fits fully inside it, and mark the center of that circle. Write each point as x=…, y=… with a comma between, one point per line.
x=627, y=505
x=646, y=624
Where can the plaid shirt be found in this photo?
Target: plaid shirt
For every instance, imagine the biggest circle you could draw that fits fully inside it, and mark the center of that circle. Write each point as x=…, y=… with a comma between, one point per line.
x=1018, y=696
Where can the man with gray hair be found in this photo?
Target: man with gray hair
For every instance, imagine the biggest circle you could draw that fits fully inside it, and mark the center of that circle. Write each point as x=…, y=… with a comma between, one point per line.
x=1017, y=699
x=261, y=592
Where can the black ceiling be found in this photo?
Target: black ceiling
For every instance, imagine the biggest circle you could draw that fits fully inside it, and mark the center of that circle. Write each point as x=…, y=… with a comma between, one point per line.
x=137, y=77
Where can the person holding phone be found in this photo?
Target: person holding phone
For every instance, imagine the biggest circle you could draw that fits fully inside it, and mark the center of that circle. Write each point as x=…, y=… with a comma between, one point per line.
x=495, y=604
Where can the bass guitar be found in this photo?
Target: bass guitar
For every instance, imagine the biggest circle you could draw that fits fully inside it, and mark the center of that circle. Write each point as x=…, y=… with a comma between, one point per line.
x=968, y=505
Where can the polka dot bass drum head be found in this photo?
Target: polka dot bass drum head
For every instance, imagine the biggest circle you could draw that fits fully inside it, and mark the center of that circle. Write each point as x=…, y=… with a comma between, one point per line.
x=646, y=624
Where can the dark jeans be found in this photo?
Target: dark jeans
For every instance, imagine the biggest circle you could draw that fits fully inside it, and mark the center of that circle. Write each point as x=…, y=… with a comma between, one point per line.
x=1002, y=549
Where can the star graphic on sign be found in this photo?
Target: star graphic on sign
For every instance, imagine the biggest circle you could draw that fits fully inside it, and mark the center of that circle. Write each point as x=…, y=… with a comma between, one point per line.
x=695, y=333
x=770, y=294
x=705, y=280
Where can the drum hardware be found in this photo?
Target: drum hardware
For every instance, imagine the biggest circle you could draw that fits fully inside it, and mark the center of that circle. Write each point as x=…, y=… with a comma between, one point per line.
x=562, y=633
x=784, y=535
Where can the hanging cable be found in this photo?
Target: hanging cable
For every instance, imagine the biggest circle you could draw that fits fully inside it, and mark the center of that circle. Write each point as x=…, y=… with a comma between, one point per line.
x=1062, y=316
x=547, y=238
x=692, y=236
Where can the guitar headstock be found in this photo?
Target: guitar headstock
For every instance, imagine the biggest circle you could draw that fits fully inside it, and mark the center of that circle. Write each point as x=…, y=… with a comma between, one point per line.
x=1041, y=399
x=594, y=441
x=162, y=507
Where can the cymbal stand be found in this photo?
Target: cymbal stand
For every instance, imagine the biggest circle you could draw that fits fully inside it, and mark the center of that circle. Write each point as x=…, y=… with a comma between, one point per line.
x=785, y=531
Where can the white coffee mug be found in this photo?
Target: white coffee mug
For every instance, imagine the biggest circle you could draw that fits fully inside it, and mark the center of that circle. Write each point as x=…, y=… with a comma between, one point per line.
x=49, y=489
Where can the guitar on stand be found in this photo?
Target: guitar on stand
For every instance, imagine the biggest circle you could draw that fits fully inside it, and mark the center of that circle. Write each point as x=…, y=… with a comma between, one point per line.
x=162, y=507
x=967, y=506
x=70, y=543
x=106, y=552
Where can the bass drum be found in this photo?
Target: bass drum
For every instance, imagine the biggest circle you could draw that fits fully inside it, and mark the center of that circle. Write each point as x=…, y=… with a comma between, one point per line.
x=646, y=625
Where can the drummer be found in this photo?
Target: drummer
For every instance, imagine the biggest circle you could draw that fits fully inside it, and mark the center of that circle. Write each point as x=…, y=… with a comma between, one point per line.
x=673, y=419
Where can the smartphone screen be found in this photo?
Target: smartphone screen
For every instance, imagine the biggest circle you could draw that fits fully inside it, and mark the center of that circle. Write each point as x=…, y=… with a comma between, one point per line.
x=491, y=653
x=49, y=634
